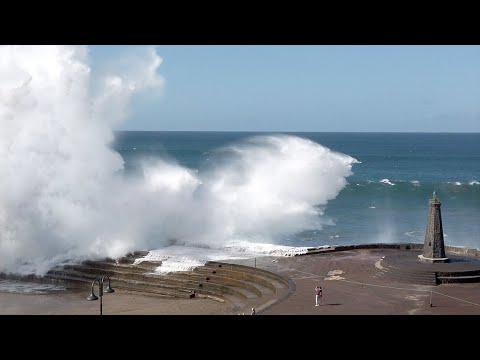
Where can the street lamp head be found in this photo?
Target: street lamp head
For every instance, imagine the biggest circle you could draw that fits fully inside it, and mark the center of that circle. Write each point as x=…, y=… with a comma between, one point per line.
x=92, y=297
x=101, y=290
x=109, y=288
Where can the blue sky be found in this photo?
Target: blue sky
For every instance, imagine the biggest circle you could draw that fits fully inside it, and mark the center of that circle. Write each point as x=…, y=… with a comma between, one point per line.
x=310, y=88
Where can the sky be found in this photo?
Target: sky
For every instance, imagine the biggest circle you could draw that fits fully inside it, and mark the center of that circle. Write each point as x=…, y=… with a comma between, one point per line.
x=322, y=88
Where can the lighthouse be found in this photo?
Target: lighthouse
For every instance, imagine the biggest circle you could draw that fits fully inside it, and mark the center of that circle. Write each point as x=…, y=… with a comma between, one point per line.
x=434, y=247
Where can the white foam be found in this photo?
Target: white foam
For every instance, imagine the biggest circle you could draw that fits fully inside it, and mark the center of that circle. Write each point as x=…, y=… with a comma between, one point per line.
x=474, y=182
x=386, y=181
x=186, y=258
x=263, y=249
x=175, y=264
x=21, y=287
x=415, y=182
x=414, y=233
x=372, y=207
x=456, y=183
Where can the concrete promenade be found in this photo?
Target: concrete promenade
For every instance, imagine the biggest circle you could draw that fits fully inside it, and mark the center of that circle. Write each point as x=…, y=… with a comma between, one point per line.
x=350, y=281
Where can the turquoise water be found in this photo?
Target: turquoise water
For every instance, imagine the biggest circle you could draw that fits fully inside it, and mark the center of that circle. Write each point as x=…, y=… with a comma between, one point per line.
x=386, y=198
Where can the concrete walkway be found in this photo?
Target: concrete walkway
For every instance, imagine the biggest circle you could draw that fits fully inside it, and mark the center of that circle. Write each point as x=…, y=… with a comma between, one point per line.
x=118, y=303
x=349, y=279
x=351, y=286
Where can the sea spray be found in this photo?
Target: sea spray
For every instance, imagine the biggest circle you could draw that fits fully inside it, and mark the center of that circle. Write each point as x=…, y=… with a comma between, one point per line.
x=63, y=195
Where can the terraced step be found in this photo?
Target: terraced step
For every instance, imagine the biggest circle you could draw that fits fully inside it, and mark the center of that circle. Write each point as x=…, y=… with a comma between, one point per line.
x=143, y=286
x=87, y=282
x=144, y=265
x=130, y=273
x=275, y=278
x=252, y=285
x=194, y=284
x=93, y=273
x=408, y=272
x=459, y=279
x=191, y=282
x=249, y=289
x=424, y=278
x=410, y=275
x=241, y=286
x=130, y=258
x=273, y=284
x=211, y=288
x=459, y=273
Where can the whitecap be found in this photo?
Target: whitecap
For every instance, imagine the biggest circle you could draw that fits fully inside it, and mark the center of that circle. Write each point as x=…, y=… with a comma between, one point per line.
x=386, y=181
x=414, y=233
x=178, y=258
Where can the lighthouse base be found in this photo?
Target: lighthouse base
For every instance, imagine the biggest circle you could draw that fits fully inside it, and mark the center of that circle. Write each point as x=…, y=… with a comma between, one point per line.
x=432, y=260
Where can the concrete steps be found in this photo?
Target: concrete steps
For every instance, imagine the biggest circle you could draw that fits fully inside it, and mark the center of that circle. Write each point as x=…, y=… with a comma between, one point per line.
x=422, y=276
x=164, y=289
x=204, y=281
x=241, y=286
x=85, y=282
x=191, y=281
x=458, y=279
x=408, y=276
x=267, y=285
x=466, y=276
x=143, y=266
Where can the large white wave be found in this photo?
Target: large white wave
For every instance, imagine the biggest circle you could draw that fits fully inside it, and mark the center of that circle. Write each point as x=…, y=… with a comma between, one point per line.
x=185, y=258
x=62, y=193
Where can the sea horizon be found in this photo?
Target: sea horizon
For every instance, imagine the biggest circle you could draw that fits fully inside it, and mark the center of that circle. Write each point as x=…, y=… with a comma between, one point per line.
x=384, y=200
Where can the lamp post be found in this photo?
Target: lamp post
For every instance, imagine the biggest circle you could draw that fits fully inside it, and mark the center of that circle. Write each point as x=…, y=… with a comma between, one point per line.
x=108, y=290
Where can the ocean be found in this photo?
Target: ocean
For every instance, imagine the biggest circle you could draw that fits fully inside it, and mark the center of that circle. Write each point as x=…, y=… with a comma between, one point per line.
x=385, y=199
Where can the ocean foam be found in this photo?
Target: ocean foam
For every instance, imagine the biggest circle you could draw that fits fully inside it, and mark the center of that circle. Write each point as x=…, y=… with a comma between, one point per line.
x=415, y=234
x=186, y=258
x=456, y=183
x=474, y=182
x=386, y=181
x=21, y=287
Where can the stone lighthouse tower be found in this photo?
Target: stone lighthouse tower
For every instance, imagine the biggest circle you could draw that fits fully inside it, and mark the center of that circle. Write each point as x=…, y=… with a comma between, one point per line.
x=434, y=247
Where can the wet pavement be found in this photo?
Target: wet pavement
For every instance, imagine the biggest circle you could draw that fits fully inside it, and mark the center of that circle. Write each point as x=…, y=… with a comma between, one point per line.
x=350, y=281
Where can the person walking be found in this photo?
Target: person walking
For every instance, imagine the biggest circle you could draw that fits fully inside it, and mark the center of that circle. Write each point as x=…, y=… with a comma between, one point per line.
x=318, y=294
